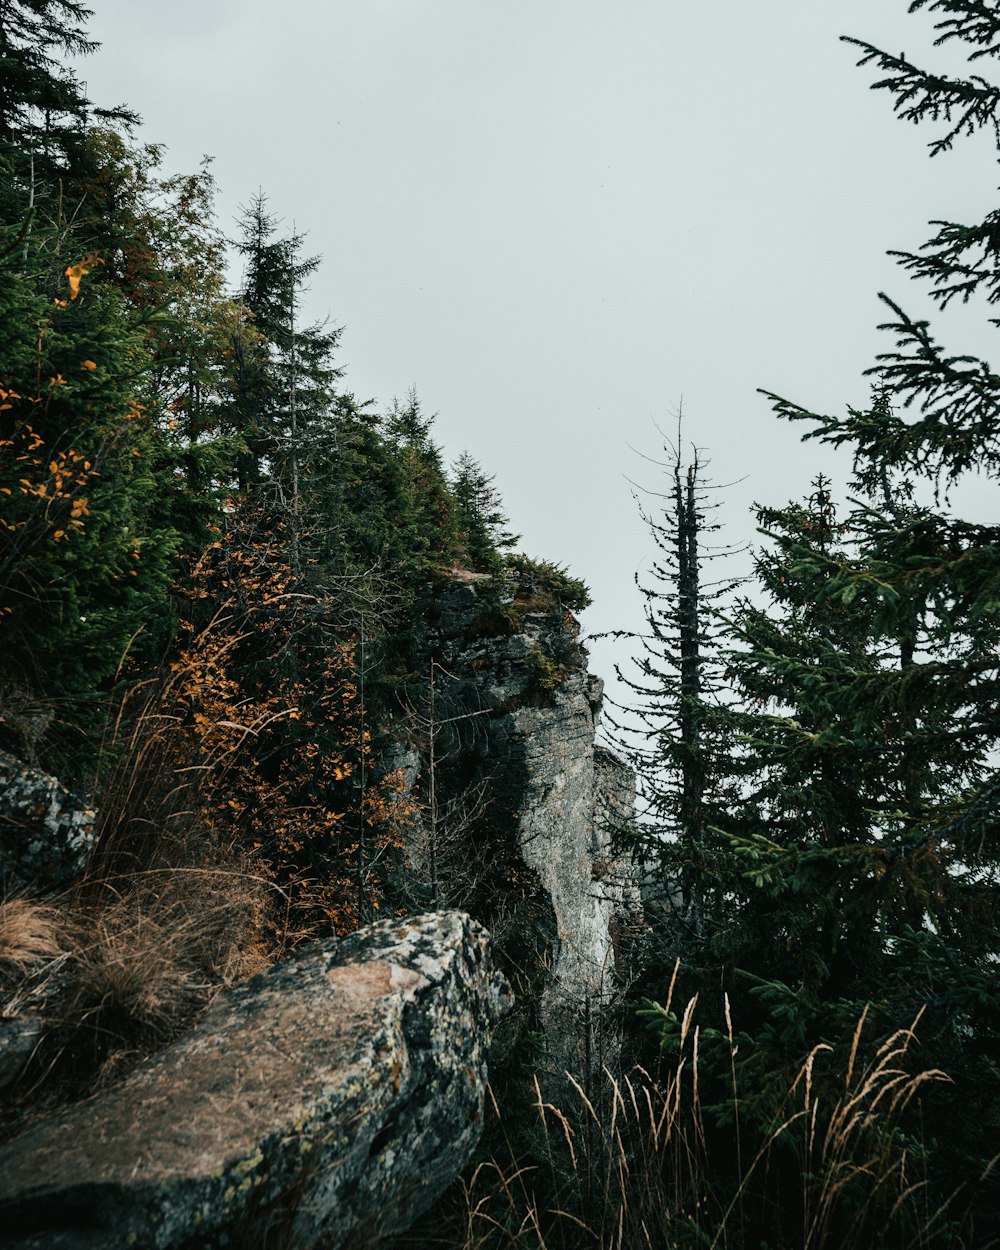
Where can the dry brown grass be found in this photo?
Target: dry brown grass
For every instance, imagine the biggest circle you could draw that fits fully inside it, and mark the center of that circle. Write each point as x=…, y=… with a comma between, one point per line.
x=634, y=1163
x=113, y=974
x=30, y=933
x=170, y=913
x=144, y=962
x=168, y=916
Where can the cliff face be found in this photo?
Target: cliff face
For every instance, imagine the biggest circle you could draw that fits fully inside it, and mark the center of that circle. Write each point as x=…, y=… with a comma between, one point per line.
x=344, y=1088
x=514, y=722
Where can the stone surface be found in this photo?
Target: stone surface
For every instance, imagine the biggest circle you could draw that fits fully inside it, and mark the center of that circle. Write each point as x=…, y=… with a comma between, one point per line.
x=333, y=1097
x=46, y=833
x=573, y=791
x=19, y=1035
x=514, y=681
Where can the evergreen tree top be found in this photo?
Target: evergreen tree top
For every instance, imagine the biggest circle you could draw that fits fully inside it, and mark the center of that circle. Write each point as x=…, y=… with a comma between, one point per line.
x=965, y=105
x=43, y=107
x=955, y=397
x=407, y=426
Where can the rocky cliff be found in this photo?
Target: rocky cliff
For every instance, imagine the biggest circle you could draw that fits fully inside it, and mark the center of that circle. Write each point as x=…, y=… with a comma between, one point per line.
x=342, y=1090
x=526, y=805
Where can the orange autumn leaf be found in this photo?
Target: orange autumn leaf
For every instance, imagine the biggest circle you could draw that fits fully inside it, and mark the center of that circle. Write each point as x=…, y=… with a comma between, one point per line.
x=76, y=273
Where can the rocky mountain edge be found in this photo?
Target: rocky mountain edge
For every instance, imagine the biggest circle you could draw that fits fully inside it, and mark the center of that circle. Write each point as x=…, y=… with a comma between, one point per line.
x=515, y=714
x=242, y=1121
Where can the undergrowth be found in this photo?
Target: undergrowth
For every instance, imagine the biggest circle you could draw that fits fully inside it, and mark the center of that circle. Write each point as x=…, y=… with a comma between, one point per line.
x=641, y=1161
x=172, y=910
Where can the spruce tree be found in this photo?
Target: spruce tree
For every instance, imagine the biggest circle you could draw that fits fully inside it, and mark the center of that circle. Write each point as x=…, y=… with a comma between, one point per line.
x=44, y=110
x=110, y=280
x=836, y=774
x=930, y=578
x=428, y=510
x=480, y=514
x=285, y=380
x=676, y=726
x=877, y=812
x=84, y=557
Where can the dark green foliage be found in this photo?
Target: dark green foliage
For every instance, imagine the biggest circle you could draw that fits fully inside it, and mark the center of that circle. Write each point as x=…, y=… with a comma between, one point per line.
x=546, y=580
x=145, y=410
x=34, y=83
x=677, y=729
x=871, y=849
x=43, y=108
x=839, y=880
x=480, y=514
x=375, y=487
x=285, y=376
x=162, y=251
x=906, y=693
x=840, y=773
x=431, y=527
x=85, y=564
x=864, y=853
x=965, y=105
x=956, y=396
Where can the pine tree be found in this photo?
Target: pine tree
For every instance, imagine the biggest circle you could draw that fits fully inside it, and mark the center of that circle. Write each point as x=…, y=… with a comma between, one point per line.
x=429, y=516
x=84, y=559
x=163, y=252
x=677, y=727
x=43, y=109
x=480, y=514
x=285, y=380
x=356, y=489
x=832, y=784
x=110, y=280
x=931, y=578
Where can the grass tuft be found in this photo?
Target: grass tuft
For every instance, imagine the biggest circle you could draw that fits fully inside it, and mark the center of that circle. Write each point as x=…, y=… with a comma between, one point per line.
x=29, y=934
x=144, y=963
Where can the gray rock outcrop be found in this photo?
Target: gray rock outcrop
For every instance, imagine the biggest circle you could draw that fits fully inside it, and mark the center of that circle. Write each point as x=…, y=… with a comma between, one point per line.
x=334, y=1096
x=46, y=833
x=573, y=788
x=517, y=712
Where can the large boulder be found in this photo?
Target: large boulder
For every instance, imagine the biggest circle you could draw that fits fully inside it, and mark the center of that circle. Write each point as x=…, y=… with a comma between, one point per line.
x=333, y=1097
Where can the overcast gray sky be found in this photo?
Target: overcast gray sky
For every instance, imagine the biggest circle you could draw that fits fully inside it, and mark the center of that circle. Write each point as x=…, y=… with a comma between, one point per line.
x=555, y=218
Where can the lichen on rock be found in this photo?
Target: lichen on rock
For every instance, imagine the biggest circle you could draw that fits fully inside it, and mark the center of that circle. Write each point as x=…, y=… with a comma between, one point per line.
x=46, y=833
x=339, y=1092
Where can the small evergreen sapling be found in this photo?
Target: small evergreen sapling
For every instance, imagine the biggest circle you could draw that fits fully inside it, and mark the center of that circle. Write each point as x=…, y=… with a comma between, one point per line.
x=481, y=515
